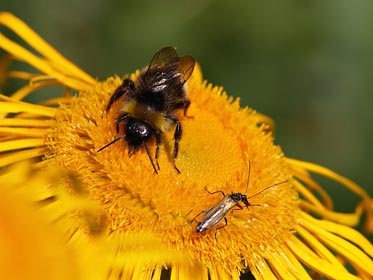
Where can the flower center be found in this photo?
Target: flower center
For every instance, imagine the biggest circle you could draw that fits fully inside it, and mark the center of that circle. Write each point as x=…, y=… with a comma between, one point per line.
x=217, y=145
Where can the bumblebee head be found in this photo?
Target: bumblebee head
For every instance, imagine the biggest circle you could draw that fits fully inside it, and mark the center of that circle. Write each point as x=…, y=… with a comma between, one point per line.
x=137, y=132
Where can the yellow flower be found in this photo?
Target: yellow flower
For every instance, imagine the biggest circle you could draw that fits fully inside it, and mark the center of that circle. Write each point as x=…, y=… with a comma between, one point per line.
x=139, y=223
x=16, y=248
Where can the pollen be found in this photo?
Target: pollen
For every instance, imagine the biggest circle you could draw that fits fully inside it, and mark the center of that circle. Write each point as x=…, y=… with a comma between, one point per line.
x=214, y=152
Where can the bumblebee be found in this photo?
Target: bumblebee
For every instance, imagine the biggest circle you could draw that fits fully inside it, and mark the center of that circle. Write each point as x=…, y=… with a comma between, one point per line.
x=148, y=109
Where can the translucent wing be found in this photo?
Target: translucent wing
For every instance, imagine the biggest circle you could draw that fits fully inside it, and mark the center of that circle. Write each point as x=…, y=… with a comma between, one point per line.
x=163, y=58
x=166, y=76
x=166, y=59
x=186, y=67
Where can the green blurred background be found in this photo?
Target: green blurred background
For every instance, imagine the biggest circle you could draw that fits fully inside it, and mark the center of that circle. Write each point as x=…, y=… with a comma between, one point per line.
x=307, y=64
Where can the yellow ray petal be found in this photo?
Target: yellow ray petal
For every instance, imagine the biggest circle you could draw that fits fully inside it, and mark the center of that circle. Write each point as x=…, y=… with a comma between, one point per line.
x=21, y=144
x=347, y=250
x=308, y=195
x=30, y=248
x=18, y=106
x=343, y=231
x=21, y=75
x=140, y=273
x=262, y=271
x=344, y=248
x=56, y=101
x=263, y=119
x=330, y=174
x=191, y=271
x=35, y=41
x=280, y=262
x=41, y=64
x=23, y=131
x=319, y=248
x=368, y=205
x=21, y=155
x=315, y=262
x=30, y=88
x=315, y=187
x=350, y=219
x=22, y=92
x=157, y=274
x=293, y=261
x=362, y=274
x=25, y=122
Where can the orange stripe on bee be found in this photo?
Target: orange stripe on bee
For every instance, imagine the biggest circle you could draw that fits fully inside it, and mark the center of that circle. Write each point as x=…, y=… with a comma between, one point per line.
x=141, y=112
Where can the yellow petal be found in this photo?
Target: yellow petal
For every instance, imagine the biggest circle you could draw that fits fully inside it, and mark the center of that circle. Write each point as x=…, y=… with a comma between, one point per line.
x=35, y=41
x=315, y=262
x=21, y=131
x=21, y=144
x=325, y=230
x=18, y=106
x=29, y=247
x=350, y=219
x=330, y=174
x=13, y=157
x=25, y=122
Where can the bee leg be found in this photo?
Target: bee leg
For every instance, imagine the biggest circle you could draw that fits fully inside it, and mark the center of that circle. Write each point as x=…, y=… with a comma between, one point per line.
x=177, y=137
x=127, y=87
x=150, y=157
x=119, y=119
x=184, y=105
x=158, y=143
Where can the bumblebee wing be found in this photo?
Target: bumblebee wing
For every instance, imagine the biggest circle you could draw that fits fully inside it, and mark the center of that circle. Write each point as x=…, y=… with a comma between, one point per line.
x=163, y=58
x=167, y=73
x=185, y=67
x=161, y=70
x=175, y=95
x=168, y=60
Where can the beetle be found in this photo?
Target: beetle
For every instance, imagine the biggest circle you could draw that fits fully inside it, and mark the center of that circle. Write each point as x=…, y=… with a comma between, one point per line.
x=214, y=215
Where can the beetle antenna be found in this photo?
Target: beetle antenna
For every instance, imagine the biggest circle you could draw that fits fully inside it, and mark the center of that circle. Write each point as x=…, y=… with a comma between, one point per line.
x=275, y=184
x=248, y=176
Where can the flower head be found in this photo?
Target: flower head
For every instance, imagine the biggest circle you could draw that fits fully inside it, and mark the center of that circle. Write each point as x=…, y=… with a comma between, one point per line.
x=144, y=222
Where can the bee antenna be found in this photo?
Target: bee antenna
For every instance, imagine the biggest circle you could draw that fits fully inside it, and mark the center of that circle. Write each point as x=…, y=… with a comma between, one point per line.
x=275, y=184
x=112, y=142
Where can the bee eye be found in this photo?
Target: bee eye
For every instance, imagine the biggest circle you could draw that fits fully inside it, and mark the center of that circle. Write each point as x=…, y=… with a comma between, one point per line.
x=138, y=129
x=142, y=129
